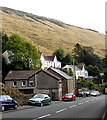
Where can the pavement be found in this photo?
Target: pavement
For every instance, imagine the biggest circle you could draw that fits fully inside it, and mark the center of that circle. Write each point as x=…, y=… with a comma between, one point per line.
x=31, y=106
x=27, y=107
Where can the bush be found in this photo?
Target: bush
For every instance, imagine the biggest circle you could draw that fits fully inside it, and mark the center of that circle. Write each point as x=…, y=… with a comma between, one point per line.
x=89, y=85
x=22, y=99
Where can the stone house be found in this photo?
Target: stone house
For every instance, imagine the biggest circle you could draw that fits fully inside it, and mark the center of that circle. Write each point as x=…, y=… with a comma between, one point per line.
x=43, y=81
x=67, y=81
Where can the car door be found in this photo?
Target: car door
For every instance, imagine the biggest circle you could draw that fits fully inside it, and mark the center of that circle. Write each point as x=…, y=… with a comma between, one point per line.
x=46, y=100
x=9, y=101
x=74, y=97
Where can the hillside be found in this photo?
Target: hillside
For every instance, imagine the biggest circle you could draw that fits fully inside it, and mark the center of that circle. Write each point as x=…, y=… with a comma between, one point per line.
x=50, y=34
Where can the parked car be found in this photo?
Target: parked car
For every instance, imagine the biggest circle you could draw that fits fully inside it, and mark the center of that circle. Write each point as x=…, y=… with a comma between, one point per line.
x=81, y=94
x=6, y=102
x=87, y=93
x=40, y=99
x=69, y=96
x=94, y=93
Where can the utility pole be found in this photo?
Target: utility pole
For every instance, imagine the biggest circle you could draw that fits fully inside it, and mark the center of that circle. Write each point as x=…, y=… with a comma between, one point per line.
x=74, y=75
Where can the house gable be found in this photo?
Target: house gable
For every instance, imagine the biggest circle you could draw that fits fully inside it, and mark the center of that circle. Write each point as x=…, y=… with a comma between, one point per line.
x=47, y=80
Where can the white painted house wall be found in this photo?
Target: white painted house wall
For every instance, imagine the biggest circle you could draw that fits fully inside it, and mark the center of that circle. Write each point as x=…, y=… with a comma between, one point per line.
x=78, y=72
x=47, y=63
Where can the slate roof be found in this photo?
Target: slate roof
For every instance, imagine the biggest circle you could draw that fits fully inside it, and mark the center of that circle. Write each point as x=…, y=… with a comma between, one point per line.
x=21, y=74
x=49, y=58
x=26, y=74
x=71, y=66
x=61, y=73
x=80, y=66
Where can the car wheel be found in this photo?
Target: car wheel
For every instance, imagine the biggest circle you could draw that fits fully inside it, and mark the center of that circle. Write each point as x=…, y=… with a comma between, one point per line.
x=2, y=108
x=15, y=106
x=41, y=104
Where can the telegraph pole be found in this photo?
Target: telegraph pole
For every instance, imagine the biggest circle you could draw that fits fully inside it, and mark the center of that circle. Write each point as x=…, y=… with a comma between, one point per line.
x=74, y=80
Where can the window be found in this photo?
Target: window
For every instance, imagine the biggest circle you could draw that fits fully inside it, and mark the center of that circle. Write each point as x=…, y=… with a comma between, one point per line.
x=14, y=83
x=30, y=83
x=23, y=83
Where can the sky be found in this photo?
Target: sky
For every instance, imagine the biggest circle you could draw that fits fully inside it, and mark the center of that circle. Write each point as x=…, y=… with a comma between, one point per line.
x=88, y=14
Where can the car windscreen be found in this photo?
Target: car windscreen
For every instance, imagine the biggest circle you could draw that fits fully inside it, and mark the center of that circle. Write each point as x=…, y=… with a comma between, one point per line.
x=5, y=98
x=39, y=96
x=94, y=92
x=70, y=94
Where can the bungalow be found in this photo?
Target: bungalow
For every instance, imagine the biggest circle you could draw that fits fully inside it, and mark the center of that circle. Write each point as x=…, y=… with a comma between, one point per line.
x=43, y=81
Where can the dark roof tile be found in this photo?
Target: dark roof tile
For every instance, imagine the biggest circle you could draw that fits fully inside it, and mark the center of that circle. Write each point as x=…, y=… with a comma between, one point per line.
x=21, y=74
x=49, y=58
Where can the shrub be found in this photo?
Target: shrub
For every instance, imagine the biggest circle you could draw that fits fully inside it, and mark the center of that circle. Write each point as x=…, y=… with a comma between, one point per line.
x=16, y=95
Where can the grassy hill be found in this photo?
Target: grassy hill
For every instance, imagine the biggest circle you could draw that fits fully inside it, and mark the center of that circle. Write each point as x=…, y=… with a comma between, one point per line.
x=50, y=34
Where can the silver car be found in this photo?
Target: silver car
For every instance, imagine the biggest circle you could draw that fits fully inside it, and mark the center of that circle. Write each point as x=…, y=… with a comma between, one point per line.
x=94, y=93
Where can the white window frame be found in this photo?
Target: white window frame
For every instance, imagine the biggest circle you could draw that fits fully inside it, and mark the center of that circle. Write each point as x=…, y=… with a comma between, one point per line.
x=14, y=83
x=23, y=85
x=31, y=82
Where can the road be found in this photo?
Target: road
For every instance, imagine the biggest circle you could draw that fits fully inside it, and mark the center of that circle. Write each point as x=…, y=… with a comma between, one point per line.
x=90, y=107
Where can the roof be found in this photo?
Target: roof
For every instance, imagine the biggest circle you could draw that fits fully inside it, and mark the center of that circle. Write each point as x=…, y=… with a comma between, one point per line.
x=80, y=66
x=20, y=74
x=71, y=66
x=61, y=73
x=51, y=74
x=49, y=58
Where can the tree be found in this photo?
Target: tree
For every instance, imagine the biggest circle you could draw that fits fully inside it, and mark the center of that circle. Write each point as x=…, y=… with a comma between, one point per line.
x=85, y=54
x=78, y=53
x=22, y=54
x=4, y=40
x=5, y=69
x=105, y=75
x=67, y=59
x=59, y=54
x=104, y=62
x=93, y=70
x=91, y=59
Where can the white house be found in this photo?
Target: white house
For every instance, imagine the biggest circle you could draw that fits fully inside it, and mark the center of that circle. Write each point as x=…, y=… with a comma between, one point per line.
x=49, y=61
x=79, y=70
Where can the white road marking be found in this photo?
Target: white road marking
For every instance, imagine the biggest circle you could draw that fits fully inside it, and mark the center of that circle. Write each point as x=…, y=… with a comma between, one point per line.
x=72, y=106
x=60, y=110
x=44, y=116
x=87, y=101
x=103, y=117
x=79, y=103
x=92, y=99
